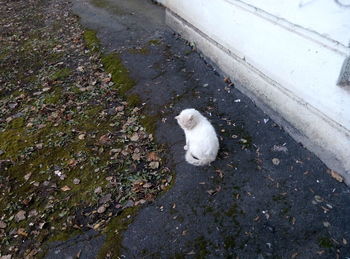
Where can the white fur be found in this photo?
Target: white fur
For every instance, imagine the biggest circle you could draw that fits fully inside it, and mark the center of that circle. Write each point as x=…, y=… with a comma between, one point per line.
x=202, y=144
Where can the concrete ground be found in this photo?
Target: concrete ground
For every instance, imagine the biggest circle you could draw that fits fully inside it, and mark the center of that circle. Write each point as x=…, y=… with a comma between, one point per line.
x=265, y=197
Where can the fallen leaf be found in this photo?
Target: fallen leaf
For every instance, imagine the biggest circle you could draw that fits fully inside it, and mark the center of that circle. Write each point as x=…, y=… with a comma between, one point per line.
x=21, y=215
x=27, y=176
x=65, y=188
x=136, y=157
x=119, y=108
x=32, y=213
x=318, y=198
x=152, y=156
x=3, y=225
x=22, y=232
x=326, y=224
x=98, y=190
x=39, y=146
x=154, y=165
x=336, y=176
x=211, y=191
x=101, y=209
x=227, y=80
x=275, y=161
x=134, y=137
x=277, y=148
x=72, y=162
x=220, y=173
x=147, y=185
x=104, y=140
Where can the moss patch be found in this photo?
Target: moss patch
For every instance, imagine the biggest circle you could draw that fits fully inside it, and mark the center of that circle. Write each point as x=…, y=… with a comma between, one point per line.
x=61, y=74
x=120, y=75
x=91, y=40
x=325, y=242
x=133, y=100
x=154, y=42
x=150, y=123
x=114, y=232
x=142, y=51
x=108, y=6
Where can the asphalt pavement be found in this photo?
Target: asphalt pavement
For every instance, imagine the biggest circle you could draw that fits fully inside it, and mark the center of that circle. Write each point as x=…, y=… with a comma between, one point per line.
x=266, y=196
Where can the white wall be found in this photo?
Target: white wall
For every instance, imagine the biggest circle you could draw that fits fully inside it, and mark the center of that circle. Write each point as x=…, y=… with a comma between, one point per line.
x=295, y=48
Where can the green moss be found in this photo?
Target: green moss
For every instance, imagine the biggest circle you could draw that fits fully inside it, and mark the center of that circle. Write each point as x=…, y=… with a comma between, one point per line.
x=142, y=51
x=245, y=138
x=120, y=75
x=201, y=244
x=54, y=97
x=150, y=123
x=154, y=42
x=108, y=6
x=12, y=141
x=325, y=242
x=16, y=93
x=179, y=256
x=91, y=40
x=64, y=235
x=114, y=231
x=229, y=242
x=208, y=209
x=17, y=123
x=232, y=212
x=133, y=100
x=61, y=74
x=112, y=63
x=278, y=197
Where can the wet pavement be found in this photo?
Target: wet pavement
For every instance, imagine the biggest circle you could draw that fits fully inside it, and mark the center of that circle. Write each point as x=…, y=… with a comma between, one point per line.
x=266, y=196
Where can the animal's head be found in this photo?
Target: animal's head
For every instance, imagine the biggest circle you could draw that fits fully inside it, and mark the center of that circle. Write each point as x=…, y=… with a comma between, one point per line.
x=188, y=118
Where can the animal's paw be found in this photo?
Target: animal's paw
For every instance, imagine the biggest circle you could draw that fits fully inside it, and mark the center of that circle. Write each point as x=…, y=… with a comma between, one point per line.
x=186, y=147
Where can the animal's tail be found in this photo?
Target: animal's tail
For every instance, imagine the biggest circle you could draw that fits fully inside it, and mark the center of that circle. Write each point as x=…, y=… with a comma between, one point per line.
x=195, y=161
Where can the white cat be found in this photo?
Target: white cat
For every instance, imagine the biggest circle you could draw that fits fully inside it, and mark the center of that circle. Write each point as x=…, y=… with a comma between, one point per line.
x=202, y=144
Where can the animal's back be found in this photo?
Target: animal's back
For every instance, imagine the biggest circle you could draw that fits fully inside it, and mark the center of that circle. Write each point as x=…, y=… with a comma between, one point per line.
x=203, y=140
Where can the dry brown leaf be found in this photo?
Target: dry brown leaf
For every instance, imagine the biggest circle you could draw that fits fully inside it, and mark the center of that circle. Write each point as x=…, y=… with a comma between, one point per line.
x=22, y=232
x=336, y=176
x=220, y=173
x=104, y=140
x=65, y=188
x=134, y=137
x=152, y=156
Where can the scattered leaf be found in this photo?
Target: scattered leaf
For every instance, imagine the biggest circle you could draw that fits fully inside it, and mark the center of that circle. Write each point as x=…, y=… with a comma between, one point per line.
x=21, y=215
x=152, y=156
x=154, y=165
x=2, y=225
x=336, y=176
x=22, y=232
x=65, y=188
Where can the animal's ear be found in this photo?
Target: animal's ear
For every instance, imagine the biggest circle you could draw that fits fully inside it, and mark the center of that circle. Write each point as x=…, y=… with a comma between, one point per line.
x=190, y=117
